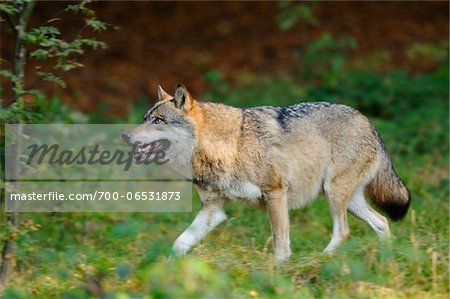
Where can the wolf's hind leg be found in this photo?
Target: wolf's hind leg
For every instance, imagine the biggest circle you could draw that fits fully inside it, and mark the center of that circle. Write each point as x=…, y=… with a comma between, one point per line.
x=361, y=209
x=211, y=215
x=337, y=198
x=340, y=227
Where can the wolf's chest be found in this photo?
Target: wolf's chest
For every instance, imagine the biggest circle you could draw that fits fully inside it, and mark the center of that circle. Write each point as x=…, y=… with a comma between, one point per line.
x=242, y=190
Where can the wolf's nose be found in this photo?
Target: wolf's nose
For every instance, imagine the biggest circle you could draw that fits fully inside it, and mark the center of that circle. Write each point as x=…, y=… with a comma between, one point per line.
x=126, y=137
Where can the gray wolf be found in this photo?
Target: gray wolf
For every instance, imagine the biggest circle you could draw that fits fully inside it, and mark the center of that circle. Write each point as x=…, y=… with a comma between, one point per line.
x=277, y=158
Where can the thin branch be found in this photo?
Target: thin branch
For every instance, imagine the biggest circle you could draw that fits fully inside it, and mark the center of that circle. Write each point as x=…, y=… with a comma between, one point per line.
x=19, y=48
x=78, y=35
x=12, y=217
x=8, y=249
x=54, y=16
x=19, y=68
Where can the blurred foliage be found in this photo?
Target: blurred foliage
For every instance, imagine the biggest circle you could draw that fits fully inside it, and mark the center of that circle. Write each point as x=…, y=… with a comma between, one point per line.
x=292, y=13
x=324, y=59
x=431, y=51
x=42, y=43
x=40, y=109
x=47, y=45
x=60, y=255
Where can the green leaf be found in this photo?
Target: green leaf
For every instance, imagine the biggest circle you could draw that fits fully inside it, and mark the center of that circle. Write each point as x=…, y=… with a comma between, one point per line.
x=49, y=30
x=291, y=15
x=96, y=25
x=42, y=36
x=94, y=44
x=8, y=74
x=73, y=7
x=81, y=8
x=40, y=54
x=69, y=65
x=8, y=9
x=49, y=77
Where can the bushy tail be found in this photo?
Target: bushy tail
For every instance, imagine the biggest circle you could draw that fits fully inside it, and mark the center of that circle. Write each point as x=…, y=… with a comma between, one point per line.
x=387, y=191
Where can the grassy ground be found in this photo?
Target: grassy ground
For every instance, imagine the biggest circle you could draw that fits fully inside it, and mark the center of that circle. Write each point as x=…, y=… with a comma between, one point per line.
x=128, y=253
x=125, y=255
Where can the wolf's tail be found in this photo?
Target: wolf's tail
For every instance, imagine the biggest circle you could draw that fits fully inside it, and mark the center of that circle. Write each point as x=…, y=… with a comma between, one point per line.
x=387, y=191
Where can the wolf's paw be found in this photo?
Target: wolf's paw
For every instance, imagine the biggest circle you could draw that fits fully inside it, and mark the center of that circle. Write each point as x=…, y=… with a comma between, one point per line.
x=282, y=256
x=180, y=248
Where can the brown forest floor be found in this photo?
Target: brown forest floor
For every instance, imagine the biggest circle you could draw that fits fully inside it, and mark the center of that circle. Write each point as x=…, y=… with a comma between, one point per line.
x=167, y=43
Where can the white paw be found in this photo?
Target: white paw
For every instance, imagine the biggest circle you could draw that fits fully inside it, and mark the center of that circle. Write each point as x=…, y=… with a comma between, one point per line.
x=282, y=255
x=330, y=249
x=180, y=248
x=385, y=234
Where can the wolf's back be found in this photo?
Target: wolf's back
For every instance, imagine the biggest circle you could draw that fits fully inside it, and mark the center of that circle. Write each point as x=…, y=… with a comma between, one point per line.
x=387, y=190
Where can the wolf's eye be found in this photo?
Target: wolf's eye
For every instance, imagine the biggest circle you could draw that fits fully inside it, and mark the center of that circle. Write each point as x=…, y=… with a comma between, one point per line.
x=157, y=120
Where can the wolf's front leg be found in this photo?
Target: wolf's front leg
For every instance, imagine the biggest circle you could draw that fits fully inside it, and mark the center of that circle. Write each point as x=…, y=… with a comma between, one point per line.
x=277, y=208
x=211, y=215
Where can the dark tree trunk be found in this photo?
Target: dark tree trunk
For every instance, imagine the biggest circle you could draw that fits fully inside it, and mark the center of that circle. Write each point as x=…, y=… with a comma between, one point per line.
x=12, y=218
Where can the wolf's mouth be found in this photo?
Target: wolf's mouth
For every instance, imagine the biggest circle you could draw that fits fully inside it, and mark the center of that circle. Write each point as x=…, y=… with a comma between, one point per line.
x=142, y=151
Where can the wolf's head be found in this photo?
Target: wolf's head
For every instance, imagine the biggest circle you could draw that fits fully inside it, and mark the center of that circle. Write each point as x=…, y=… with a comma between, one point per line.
x=169, y=119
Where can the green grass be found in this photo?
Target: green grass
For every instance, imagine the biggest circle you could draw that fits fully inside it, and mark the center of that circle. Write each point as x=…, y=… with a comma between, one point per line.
x=58, y=255
x=128, y=252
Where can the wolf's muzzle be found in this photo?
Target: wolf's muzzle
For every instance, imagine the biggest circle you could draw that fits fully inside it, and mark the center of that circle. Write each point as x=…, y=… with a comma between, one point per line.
x=126, y=137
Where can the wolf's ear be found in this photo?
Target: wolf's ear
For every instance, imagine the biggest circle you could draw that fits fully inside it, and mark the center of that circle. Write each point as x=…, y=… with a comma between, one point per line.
x=162, y=94
x=183, y=99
